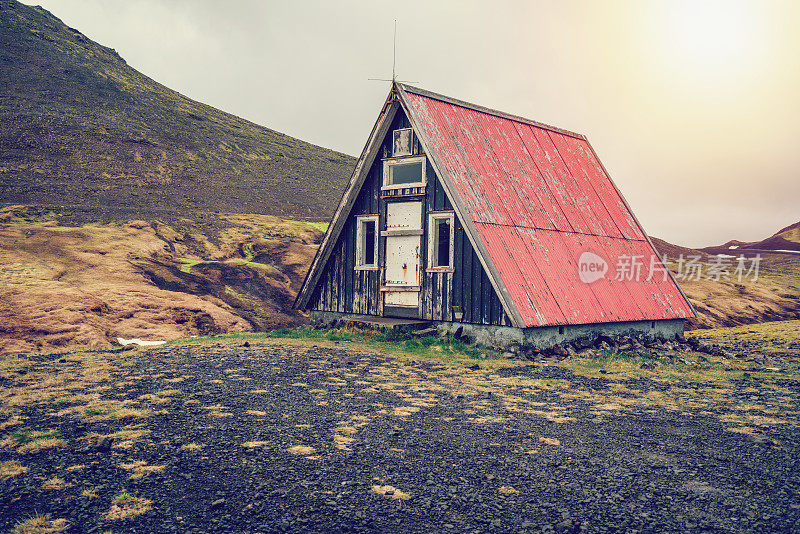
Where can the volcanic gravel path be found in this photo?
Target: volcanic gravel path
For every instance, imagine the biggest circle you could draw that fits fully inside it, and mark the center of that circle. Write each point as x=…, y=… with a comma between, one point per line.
x=521, y=449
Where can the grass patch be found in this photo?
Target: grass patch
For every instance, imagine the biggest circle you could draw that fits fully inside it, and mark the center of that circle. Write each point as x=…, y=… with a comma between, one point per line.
x=391, y=492
x=140, y=469
x=56, y=483
x=445, y=349
x=40, y=524
x=41, y=444
x=321, y=226
x=300, y=450
x=125, y=506
x=11, y=469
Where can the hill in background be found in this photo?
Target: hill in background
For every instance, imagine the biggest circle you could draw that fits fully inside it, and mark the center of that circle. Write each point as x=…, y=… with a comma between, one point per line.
x=129, y=210
x=771, y=296
x=82, y=129
x=784, y=240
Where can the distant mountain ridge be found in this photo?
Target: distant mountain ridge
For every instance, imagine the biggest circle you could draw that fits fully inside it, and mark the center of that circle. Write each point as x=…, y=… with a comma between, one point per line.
x=82, y=128
x=784, y=240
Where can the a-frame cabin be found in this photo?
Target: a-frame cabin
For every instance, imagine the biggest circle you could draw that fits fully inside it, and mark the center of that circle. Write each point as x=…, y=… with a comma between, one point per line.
x=508, y=228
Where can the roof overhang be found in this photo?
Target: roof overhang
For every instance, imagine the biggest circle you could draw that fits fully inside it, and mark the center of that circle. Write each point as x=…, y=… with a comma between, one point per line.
x=349, y=197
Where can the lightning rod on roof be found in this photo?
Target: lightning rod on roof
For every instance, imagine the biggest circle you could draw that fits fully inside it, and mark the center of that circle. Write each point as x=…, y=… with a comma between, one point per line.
x=394, y=49
x=394, y=61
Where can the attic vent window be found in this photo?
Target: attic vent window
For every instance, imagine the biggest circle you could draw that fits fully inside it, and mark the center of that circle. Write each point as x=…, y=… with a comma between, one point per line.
x=401, y=145
x=440, y=241
x=366, y=242
x=406, y=172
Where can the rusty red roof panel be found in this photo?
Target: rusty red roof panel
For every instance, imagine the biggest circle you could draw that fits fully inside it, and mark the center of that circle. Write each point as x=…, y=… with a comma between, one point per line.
x=539, y=199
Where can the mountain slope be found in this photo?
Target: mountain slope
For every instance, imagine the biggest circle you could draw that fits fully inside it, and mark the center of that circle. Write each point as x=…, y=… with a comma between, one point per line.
x=82, y=128
x=784, y=240
x=772, y=296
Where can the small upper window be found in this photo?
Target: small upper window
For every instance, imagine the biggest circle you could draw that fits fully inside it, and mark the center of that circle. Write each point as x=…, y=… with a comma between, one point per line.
x=407, y=172
x=367, y=242
x=402, y=143
x=440, y=241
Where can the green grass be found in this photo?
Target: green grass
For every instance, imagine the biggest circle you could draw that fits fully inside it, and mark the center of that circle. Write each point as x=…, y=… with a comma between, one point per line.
x=26, y=436
x=321, y=226
x=247, y=248
x=446, y=349
x=123, y=497
x=187, y=264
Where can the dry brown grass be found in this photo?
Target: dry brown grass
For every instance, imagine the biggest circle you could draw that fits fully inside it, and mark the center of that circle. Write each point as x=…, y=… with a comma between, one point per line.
x=126, y=506
x=154, y=399
x=391, y=493
x=405, y=411
x=12, y=421
x=301, y=450
x=11, y=468
x=56, y=483
x=40, y=524
x=41, y=444
x=139, y=469
x=193, y=447
x=254, y=444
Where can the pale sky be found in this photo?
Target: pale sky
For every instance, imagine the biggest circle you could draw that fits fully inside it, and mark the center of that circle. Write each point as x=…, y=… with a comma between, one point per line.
x=693, y=107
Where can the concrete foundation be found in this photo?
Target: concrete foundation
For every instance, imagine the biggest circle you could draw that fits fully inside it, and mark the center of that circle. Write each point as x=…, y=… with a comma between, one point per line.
x=535, y=338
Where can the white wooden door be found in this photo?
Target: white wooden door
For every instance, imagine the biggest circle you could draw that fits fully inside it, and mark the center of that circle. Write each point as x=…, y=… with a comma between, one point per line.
x=402, y=270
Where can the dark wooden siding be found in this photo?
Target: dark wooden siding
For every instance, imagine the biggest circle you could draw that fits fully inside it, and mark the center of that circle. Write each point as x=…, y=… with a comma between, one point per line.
x=341, y=288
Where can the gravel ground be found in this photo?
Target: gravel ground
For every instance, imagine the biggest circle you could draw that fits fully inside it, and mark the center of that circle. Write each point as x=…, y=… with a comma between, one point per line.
x=303, y=438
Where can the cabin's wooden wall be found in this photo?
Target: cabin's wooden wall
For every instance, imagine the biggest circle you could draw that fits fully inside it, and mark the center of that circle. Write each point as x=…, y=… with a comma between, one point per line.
x=341, y=288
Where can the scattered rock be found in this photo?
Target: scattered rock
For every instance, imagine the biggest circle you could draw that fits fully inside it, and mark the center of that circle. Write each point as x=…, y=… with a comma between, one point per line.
x=432, y=331
x=104, y=445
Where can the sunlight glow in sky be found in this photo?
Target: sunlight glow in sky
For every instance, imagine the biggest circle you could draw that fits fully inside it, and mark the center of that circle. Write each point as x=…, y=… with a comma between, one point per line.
x=692, y=105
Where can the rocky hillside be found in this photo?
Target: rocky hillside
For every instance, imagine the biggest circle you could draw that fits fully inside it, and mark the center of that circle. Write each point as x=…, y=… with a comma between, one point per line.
x=82, y=128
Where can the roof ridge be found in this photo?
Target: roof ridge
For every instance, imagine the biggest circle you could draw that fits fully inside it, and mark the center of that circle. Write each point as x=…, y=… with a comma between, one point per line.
x=489, y=111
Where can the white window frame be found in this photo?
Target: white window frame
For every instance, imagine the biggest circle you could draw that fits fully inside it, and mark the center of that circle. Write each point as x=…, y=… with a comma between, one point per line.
x=389, y=163
x=410, y=141
x=359, y=264
x=432, y=245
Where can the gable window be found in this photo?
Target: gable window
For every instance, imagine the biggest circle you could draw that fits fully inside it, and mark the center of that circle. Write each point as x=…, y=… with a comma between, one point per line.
x=440, y=241
x=401, y=142
x=366, y=242
x=405, y=172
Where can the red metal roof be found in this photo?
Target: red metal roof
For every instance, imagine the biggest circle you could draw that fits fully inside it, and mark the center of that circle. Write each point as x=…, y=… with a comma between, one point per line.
x=539, y=198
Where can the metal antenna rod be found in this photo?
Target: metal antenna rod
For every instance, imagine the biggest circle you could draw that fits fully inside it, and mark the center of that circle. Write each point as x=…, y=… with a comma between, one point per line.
x=394, y=60
x=394, y=49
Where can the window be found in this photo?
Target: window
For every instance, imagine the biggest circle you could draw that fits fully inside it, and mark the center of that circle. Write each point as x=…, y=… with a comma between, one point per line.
x=440, y=241
x=366, y=242
x=406, y=172
x=401, y=143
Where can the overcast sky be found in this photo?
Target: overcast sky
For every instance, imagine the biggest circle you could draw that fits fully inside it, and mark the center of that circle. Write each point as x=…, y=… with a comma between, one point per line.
x=693, y=107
